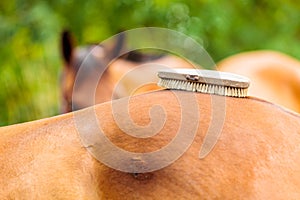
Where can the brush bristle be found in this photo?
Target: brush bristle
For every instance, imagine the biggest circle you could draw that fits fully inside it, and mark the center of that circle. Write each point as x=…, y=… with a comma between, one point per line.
x=202, y=87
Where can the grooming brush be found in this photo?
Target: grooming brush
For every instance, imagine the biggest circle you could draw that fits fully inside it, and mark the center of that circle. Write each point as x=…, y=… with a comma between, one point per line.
x=204, y=81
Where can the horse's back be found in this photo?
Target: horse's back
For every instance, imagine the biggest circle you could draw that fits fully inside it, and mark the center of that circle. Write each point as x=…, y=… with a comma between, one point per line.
x=256, y=155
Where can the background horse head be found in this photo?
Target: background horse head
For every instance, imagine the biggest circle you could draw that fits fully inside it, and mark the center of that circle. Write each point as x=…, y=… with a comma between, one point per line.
x=115, y=81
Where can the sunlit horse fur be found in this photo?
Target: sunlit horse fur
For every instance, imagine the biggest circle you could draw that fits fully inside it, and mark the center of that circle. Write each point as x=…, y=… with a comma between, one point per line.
x=257, y=155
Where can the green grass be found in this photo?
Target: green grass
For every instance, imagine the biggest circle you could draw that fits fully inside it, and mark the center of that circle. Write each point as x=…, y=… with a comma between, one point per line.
x=30, y=61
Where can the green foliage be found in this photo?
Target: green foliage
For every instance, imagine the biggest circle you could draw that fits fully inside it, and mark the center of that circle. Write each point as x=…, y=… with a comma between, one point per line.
x=30, y=31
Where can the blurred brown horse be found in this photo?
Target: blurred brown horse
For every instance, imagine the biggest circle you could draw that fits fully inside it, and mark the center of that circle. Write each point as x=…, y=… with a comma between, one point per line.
x=274, y=76
x=119, y=79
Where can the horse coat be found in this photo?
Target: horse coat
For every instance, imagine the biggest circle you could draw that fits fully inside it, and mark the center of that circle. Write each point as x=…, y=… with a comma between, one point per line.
x=257, y=155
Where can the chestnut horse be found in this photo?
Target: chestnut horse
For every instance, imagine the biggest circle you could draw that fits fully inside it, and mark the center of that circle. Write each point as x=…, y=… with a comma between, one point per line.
x=118, y=80
x=274, y=76
x=257, y=155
